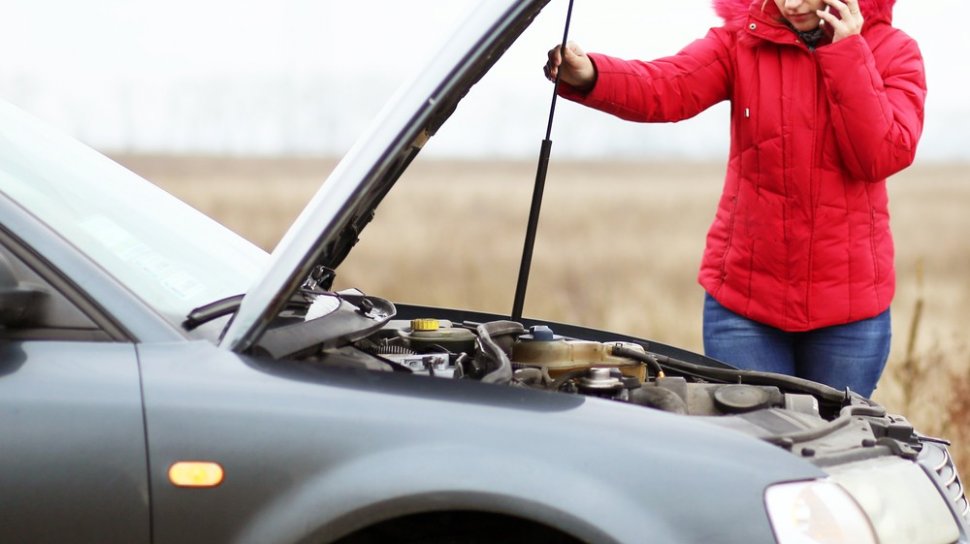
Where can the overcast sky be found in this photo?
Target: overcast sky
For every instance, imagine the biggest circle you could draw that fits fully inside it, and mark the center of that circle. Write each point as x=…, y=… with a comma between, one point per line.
x=306, y=76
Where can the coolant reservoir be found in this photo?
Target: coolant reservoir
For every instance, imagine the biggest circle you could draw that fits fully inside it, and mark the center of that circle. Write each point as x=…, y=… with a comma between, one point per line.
x=425, y=333
x=542, y=348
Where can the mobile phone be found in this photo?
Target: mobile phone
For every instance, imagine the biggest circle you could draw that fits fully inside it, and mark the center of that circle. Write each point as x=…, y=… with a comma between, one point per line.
x=827, y=28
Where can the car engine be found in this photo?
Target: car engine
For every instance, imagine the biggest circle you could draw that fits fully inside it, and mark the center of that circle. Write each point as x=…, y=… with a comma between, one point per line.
x=506, y=352
x=830, y=428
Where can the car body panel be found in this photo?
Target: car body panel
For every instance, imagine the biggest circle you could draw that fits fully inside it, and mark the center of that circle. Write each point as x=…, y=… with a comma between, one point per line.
x=341, y=449
x=73, y=465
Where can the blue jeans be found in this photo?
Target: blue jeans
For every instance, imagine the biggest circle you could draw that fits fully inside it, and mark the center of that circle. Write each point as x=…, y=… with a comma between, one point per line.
x=851, y=355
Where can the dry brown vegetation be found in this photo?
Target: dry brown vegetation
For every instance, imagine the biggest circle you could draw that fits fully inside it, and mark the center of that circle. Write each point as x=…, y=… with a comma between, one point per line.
x=618, y=248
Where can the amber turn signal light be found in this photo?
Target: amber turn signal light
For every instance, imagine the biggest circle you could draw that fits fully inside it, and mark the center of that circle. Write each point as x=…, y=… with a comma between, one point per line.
x=195, y=474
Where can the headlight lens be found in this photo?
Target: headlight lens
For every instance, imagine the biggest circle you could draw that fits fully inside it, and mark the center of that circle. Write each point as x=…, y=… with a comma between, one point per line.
x=817, y=511
x=900, y=500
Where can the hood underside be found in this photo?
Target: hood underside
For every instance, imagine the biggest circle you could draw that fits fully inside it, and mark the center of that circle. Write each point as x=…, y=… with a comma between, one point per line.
x=329, y=226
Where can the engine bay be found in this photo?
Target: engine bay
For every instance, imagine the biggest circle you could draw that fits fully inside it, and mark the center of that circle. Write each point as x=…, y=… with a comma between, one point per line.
x=350, y=329
x=829, y=428
x=505, y=352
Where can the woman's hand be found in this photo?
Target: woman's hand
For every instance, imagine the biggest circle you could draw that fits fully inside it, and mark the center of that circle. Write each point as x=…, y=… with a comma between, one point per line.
x=577, y=69
x=849, y=22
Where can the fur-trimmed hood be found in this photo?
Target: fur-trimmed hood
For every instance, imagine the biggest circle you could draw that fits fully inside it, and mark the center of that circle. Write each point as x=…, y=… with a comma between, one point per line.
x=731, y=10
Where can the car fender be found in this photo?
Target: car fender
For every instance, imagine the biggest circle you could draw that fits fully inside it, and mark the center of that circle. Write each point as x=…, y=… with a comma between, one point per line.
x=422, y=479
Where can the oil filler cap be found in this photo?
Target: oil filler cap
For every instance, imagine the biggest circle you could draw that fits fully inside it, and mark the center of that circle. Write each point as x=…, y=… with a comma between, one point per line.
x=735, y=399
x=424, y=325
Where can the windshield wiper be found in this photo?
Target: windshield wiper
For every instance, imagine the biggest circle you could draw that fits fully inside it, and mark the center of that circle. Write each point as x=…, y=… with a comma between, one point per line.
x=544, y=152
x=213, y=310
x=301, y=300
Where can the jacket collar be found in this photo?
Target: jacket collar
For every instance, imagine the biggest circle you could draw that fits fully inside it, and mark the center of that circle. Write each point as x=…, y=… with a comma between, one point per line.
x=764, y=21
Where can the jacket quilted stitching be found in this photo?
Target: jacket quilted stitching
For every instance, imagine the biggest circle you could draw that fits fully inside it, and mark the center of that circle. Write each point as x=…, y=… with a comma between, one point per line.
x=801, y=237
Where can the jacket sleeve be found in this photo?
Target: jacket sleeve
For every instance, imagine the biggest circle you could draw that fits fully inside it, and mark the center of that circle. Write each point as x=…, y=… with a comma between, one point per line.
x=877, y=113
x=667, y=89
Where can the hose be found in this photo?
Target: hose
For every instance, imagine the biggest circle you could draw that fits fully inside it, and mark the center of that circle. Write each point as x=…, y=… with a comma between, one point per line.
x=493, y=353
x=648, y=359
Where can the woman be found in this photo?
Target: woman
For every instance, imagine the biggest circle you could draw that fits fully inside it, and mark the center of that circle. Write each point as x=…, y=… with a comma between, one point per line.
x=827, y=102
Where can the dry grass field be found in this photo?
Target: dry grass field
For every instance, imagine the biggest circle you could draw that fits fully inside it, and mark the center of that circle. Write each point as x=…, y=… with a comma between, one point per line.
x=619, y=246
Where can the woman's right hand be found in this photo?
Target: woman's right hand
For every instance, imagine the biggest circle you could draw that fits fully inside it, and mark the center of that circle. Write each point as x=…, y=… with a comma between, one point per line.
x=577, y=68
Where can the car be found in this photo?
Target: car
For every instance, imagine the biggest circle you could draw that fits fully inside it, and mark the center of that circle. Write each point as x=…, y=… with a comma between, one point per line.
x=163, y=380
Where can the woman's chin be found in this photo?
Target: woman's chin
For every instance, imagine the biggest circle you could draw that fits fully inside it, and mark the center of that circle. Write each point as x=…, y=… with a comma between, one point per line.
x=804, y=23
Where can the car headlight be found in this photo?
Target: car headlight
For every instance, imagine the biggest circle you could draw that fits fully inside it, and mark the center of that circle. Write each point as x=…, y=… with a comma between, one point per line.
x=817, y=511
x=900, y=500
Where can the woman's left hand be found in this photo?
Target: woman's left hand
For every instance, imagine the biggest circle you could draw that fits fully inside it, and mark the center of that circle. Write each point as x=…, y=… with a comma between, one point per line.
x=848, y=23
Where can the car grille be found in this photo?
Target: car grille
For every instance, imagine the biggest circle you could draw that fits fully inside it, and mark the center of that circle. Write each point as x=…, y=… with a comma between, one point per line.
x=936, y=458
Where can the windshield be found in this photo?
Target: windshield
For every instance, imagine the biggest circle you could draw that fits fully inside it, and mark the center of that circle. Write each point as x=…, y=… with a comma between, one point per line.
x=172, y=256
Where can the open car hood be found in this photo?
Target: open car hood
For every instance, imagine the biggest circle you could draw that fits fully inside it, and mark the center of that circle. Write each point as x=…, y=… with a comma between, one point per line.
x=329, y=226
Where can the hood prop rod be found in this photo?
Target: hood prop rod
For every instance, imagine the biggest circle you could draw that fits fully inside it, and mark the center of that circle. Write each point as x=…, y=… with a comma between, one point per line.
x=544, y=152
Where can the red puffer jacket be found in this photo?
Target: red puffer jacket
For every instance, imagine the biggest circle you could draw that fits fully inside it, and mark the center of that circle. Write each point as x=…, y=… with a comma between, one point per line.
x=801, y=236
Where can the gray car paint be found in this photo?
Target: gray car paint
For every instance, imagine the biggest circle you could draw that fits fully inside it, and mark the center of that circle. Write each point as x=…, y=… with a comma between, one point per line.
x=73, y=465
x=312, y=453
